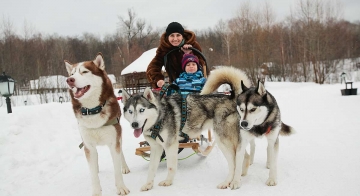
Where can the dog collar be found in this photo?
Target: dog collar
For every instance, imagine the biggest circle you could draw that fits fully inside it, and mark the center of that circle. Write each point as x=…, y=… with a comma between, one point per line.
x=95, y=110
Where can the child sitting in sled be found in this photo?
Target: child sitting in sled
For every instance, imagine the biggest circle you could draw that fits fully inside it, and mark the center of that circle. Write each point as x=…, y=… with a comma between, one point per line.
x=191, y=80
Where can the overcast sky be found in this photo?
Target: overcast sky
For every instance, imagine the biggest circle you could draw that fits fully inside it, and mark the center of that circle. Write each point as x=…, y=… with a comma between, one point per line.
x=100, y=17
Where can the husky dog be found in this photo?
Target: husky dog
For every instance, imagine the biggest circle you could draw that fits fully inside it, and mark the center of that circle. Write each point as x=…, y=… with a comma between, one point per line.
x=212, y=111
x=97, y=112
x=259, y=116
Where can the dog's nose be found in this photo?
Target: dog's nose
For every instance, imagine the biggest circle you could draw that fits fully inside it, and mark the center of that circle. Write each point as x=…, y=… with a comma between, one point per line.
x=135, y=125
x=70, y=81
x=244, y=124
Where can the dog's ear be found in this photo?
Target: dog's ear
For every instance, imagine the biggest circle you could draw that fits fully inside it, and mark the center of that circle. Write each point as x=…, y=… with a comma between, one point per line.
x=68, y=67
x=149, y=95
x=243, y=87
x=125, y=96
x=99, y=61
x=260, y=88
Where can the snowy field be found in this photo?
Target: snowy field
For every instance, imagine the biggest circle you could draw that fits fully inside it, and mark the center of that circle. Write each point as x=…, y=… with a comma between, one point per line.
x=39, y=152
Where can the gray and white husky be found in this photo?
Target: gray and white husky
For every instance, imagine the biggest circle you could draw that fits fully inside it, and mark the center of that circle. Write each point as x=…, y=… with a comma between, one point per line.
x=259, y=116
x=219, y=112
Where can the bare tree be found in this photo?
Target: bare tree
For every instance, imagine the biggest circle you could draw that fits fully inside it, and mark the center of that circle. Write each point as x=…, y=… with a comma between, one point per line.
x=226, y=35
x=130, y=28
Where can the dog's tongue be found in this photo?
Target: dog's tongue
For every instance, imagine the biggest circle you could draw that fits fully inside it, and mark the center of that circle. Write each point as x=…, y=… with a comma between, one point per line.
x=137, y=132
x=79, y=92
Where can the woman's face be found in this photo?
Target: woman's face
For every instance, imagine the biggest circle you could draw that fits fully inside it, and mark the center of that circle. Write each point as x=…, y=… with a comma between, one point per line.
x=175, y=39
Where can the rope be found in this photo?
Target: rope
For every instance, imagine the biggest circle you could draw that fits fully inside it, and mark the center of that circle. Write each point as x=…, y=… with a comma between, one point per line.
x=166, y=159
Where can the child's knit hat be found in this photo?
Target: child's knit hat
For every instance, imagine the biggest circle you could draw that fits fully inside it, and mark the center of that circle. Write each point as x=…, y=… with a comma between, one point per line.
x=189, y=58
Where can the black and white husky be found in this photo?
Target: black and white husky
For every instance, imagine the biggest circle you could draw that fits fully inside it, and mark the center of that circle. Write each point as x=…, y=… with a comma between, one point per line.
x=97, y=112
x=219, y=112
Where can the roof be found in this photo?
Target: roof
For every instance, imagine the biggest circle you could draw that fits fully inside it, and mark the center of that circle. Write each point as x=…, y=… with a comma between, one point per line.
x=141, y=63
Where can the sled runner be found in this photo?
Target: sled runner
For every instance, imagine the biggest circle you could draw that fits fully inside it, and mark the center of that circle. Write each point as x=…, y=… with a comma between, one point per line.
x=201, y=146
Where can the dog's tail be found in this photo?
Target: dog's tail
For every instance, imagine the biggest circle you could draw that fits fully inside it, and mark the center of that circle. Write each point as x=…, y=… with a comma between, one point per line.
x=286, y=130
x=226, y=75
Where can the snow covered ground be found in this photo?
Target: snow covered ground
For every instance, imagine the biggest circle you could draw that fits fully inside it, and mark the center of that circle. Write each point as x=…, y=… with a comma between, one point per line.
x=39, y=152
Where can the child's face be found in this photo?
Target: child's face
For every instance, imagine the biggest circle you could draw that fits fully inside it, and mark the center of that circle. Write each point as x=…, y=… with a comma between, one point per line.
x=191, y=67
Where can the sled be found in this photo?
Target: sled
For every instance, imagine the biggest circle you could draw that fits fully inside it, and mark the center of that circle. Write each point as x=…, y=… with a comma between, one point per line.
x=196, y=144
x=201, y=146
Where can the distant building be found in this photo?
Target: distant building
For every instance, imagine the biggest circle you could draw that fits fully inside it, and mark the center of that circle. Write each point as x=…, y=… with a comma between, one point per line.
x=46, y=84
x=133, y=77
x=52, y=84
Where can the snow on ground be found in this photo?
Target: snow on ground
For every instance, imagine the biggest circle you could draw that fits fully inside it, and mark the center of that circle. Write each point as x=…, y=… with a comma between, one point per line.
x=39, y=152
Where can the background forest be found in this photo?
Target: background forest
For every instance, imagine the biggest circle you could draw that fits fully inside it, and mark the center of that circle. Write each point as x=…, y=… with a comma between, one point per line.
x=307, y=46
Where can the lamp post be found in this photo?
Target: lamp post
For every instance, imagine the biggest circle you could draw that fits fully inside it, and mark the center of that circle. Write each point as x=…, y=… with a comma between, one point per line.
x=7, y=89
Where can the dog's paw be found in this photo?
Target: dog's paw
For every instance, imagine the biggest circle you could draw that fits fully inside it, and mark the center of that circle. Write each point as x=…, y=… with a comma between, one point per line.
x=235, y=184
x=268, y=165
x=96, y=194
x=122, y=190
x=223, y=185
x=165, y=183
x=244, y=173
x=96, y=191
x=271, y=182
x=125, y=170
x=147, y=186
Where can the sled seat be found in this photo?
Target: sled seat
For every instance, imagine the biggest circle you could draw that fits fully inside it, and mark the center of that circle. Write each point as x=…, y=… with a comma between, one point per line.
x=144, y=149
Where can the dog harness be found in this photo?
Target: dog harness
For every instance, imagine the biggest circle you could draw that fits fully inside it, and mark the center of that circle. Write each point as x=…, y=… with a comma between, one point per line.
x=156, y=128
x=155, y=131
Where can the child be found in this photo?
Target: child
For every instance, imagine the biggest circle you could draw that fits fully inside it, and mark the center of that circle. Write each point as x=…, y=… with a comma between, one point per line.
x=191, y=79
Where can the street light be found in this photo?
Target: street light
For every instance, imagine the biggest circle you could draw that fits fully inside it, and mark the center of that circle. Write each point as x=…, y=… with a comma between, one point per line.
x=7, y=89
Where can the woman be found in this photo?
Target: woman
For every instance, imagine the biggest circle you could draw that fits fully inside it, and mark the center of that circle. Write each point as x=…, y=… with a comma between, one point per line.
x=174, y=43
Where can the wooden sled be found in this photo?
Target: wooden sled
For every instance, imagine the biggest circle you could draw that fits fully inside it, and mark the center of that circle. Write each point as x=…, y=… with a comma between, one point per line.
x=195, y=144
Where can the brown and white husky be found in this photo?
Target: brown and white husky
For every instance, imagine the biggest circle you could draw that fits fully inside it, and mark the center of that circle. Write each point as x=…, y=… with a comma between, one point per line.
x=98, y=113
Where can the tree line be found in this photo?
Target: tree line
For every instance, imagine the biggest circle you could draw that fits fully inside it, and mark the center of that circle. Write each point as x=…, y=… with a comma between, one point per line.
x=306, y=46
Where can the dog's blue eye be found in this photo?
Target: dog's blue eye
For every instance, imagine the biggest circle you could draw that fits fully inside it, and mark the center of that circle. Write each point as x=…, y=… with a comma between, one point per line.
x=130, y=111
x=142, y=110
